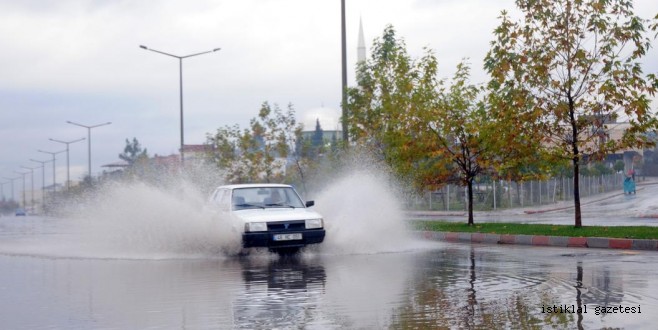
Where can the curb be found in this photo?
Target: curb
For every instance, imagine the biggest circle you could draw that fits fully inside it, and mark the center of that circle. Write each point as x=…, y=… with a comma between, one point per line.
x=538, y=240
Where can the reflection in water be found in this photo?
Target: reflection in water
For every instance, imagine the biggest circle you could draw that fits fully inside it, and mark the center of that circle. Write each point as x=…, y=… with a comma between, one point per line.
x=579, y=300
x=279, y=293
x=476, y=288
x=472, y=301
x=461, y=288
x=451, y=286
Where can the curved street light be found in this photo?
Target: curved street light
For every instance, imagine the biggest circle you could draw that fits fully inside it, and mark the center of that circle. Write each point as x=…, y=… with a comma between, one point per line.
x=68, y=174
x=31, y=181
x=43, y=178
x=2, y=189
x=89, y=140
x=23, y=174
x=180, y=68
x=53, y=154
x=12, y=186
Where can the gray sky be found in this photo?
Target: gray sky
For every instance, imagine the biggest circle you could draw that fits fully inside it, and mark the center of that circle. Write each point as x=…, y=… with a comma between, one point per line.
x=80, y=60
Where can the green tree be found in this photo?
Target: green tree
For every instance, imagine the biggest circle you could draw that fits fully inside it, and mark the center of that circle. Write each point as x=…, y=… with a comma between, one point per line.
x=392, y=90
x=455, y=140
x=133, y=152
x=428, y=133
x=619, y=166
x=571, y=67
x=317, y=140
x=260, y=152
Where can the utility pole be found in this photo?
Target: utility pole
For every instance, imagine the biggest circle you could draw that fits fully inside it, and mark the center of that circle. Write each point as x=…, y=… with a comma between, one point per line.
x=89, y=140
x=344, y=72
x=68, y=174
x=31, y=181
x=180, y=79
x=43, y=179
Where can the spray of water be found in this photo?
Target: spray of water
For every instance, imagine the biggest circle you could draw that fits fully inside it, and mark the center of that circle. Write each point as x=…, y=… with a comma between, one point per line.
x=361, y=208
x=140, y=221
x=363, y=215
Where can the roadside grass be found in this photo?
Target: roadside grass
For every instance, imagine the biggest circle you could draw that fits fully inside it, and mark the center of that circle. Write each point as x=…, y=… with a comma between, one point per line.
x=635, y=232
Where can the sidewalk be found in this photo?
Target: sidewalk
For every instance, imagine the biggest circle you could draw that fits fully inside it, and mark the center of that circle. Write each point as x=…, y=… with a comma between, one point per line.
x=608, y=209
x=559, y=206
x=537, y=240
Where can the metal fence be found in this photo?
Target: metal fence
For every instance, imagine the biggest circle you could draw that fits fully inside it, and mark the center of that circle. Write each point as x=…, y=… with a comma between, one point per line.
x=491, y=195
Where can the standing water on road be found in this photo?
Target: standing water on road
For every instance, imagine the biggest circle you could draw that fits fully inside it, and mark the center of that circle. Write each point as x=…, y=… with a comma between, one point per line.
x=362, y=215
x=141, y=257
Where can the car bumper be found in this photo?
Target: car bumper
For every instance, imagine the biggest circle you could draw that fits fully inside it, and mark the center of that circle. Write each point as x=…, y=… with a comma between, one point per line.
x=266, y=239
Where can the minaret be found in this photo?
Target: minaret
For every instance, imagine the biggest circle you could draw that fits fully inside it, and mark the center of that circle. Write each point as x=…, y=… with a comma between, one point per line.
x=361, y=47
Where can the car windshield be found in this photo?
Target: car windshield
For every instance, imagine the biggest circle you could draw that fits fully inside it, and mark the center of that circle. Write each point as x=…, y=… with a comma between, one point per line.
x=265, y=197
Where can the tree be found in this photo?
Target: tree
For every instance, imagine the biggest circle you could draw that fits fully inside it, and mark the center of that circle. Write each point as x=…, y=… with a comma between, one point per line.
x=427, y=133
x=455, y=138
x=133, y=152
x=619, y=166
x=570, y=67
x=318, y=135
x=260, y=152
x=392, y=89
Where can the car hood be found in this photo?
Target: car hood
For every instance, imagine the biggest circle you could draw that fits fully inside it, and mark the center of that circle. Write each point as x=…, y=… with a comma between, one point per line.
x=276, y=214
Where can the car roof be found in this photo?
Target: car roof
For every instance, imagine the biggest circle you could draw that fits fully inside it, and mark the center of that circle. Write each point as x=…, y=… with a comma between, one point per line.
x=254, y=185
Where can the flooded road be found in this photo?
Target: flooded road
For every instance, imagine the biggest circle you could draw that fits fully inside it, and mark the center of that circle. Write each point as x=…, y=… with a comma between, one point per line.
x=45, y=283
x=143, y=258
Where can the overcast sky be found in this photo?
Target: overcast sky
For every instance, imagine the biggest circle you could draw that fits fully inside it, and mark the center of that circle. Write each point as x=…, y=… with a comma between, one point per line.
x=80, y=61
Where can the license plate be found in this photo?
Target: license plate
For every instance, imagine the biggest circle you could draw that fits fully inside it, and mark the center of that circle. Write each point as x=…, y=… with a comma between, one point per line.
x=287, y=237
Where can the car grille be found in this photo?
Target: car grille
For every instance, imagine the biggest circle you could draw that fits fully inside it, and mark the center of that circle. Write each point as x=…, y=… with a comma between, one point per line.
x=286, y=225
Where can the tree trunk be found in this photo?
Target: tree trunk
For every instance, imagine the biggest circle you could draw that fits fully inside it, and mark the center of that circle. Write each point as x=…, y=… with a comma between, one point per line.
x=576, y=159
x=469, y=187
x=576, y=193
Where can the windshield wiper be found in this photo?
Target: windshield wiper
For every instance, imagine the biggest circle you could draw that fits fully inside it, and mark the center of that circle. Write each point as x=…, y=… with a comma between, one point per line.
x=280, y=204
x=247, y=205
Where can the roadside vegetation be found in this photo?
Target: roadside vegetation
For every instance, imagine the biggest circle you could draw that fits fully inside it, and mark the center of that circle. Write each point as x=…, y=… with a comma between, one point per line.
x=558, y=78
x=635, y=232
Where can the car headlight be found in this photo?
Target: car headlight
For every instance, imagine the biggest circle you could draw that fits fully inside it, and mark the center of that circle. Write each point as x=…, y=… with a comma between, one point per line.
x=314, y=223
x=255, y=226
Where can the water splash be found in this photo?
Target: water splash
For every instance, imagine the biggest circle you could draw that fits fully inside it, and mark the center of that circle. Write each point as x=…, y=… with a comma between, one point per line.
x=364, y=215
x=362, y=211
x=141, y=220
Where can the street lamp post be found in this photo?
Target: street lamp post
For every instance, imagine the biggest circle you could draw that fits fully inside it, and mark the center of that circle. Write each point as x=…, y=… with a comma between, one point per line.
x=68, y=174
x=343, y=72
x=23, y=174
x=2, y=189
x=12, y=187
x=43, y=179
x=31, y=181
x=53, y=154
x=180, y=68
x=89, y=140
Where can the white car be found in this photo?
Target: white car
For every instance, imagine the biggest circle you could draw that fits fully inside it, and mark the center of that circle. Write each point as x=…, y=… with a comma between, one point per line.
x=271, y=216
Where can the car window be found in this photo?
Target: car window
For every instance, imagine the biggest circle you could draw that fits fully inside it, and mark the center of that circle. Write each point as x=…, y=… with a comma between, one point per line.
x=245, y=198
x=265, y=197
x=223, y=199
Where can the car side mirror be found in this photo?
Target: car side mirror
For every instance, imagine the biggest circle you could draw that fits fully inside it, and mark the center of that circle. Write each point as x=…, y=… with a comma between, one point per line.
x=310, y=203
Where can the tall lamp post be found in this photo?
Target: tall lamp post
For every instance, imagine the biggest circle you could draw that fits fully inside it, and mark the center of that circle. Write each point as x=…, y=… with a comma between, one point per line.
x=12, y=186
x=343, y=54
x=68, y=172
x=53, y=154
x=43, y=179
x=89, y=140
x=31, y=181
x=180, y=68
x=23, y=174
x=2, y=189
